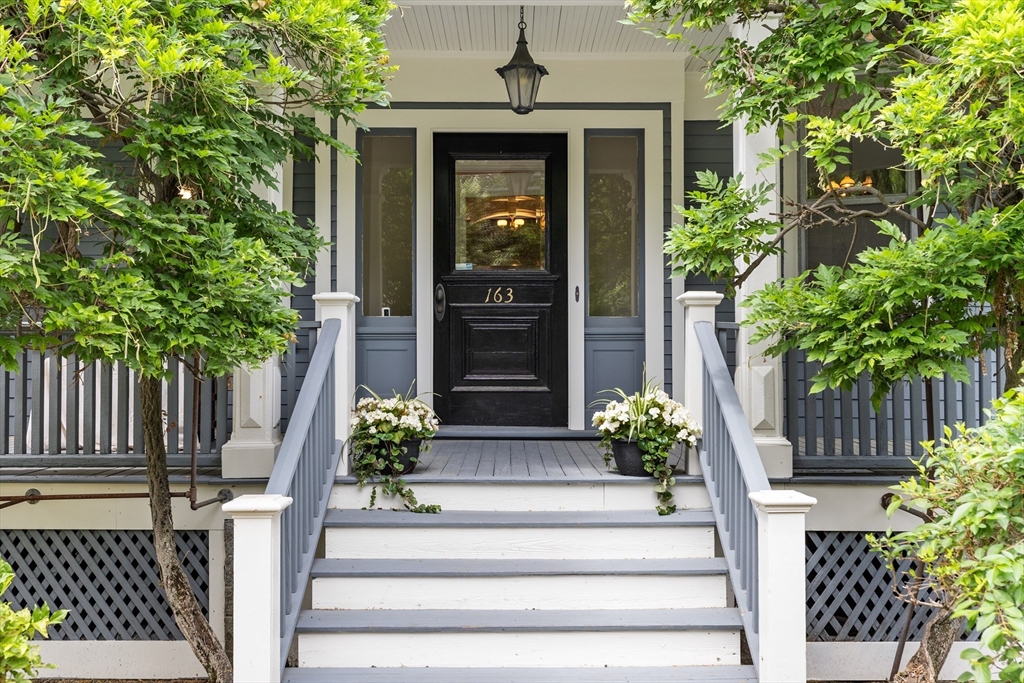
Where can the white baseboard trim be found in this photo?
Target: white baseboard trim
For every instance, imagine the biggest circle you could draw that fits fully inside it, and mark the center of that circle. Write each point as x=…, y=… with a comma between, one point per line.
x=91, y=659
x=870, y=661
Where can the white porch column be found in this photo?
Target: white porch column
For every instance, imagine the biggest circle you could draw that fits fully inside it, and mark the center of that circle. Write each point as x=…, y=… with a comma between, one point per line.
x=782, y=628
x=256, y=423
x=256, y=414
x=697, y=307
x=257, y=582
x=759, y=377
x=342, y=305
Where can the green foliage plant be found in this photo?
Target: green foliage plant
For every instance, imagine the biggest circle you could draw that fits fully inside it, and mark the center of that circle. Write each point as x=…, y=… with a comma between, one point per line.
x=381, y=430
x=972, y=488
x=136, y=137
x=19, y=659
x=938, y=80
x=656, y=424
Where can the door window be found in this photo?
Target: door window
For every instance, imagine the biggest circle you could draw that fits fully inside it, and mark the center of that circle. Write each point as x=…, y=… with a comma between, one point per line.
x=500, y=221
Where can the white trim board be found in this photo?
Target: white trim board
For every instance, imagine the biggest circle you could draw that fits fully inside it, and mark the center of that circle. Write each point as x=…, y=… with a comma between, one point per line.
x=103, y=659
x=573, y=123
x=870, y=661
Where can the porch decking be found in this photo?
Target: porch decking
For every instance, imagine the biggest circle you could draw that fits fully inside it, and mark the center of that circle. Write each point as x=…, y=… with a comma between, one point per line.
x=509, y=461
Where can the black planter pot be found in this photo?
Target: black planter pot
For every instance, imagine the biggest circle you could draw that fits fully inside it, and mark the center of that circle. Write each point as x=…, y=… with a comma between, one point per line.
x=406, y=460
x=629, y=459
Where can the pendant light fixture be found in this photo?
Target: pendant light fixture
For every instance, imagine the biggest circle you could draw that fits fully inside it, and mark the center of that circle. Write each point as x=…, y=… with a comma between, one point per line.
x=522, y=75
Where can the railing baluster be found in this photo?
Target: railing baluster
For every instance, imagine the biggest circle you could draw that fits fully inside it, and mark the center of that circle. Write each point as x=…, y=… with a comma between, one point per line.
x=882, y=426
x=828, y=421
x=89, y=409
x=5, y=409
x=36, y=416
x=20, y=412
x=863, y=415
x=122, y=408
x=71, y=382
x=173, y=394
x=54, y=375
x=104, y=416
x=917, y=406
x=899, y=428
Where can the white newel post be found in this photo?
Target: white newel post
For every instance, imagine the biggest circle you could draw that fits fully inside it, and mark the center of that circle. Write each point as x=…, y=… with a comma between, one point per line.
x=698, y=307
x=782, y=620
x=257, y=585
x=256, y=425
x=342, y=305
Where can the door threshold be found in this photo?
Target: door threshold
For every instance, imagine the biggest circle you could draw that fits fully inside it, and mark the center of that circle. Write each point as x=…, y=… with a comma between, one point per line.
x=527, y=433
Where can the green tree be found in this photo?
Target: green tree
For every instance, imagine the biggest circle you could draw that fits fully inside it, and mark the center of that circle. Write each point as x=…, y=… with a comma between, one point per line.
x=972, y=491
x=937, y=80
x=132, y=136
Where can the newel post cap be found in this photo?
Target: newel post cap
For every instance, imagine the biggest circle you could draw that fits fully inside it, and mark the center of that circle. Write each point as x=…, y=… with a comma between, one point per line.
x=699, y=298
x=782, y=502
x=257, y=505
x=342, y=298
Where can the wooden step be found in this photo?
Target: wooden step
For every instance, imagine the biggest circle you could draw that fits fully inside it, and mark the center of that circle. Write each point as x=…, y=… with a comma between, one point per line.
x=518, y=584
x=486, y=493
x=523, y=638
x=634, y=674
x=369, y=534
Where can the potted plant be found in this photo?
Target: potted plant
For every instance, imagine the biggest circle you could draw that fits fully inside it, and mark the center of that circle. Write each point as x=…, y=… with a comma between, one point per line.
x=388, y=435
x=640, y=430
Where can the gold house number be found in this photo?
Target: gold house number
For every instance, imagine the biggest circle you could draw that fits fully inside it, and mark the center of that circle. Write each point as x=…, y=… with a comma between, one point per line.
x=496, y=295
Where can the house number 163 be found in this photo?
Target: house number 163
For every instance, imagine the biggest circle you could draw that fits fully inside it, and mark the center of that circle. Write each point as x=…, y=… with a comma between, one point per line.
x=499, y=295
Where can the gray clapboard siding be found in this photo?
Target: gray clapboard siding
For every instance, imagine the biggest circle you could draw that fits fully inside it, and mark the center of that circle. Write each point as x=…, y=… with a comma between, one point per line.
x=707, y=146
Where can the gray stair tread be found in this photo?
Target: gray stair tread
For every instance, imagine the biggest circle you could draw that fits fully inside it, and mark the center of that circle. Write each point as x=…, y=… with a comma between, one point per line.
x=473, y=518
x=343, y=568
x=638, y=674
x=466, y=620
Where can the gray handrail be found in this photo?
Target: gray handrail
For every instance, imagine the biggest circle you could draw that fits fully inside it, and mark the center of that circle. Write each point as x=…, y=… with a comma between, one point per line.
x=304, y=471
x=732, y=471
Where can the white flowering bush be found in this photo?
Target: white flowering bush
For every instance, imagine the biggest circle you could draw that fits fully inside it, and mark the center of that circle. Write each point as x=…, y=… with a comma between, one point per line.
x=656, y=424
x=381, y=430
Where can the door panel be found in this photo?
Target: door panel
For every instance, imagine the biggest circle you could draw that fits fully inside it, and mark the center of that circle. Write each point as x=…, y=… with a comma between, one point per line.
x=501, y=351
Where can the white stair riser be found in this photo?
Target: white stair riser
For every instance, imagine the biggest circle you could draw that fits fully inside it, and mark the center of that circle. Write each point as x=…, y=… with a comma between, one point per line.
x=520, y=592
x=591, y=543
x=528, y=649
x=530, y=497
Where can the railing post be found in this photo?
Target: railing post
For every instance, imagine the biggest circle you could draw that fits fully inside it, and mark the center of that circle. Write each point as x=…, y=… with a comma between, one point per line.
x=781, y=608
x=698, y=307
x=342, y=305
x=256, y=424
x=257, y=586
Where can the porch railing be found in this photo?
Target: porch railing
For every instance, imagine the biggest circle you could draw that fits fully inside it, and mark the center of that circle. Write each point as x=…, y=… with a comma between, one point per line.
x=294, y=366
x=57, y=412
x=732, y=471
x=838, y=429
x=304, y=472
x=276, y=533
x=761, y=530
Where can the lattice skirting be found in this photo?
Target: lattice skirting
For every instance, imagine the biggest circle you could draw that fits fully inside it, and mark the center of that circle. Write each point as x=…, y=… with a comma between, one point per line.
x=850, y=592
x=108, y=580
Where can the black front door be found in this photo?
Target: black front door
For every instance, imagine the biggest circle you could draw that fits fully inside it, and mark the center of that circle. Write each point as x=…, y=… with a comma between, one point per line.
x=500, y=310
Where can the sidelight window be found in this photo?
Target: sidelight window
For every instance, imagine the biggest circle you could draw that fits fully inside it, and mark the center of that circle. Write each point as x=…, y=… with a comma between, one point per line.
x=613, y=215
x=386, y=212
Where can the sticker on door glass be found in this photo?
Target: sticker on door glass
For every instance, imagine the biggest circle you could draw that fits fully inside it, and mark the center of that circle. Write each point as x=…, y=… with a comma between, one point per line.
x=463, y=266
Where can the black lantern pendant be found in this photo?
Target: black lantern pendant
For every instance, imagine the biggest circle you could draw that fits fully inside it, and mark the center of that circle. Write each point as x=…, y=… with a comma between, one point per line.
x=522, y=75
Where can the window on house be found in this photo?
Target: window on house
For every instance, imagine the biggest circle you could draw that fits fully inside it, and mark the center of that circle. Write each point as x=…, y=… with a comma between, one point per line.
x=387, y=177
x=613, y=219
x=870, y=164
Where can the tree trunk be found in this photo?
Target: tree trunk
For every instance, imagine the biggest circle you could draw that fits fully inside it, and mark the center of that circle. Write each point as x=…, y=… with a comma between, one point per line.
x=938, y=637
x=187, y=614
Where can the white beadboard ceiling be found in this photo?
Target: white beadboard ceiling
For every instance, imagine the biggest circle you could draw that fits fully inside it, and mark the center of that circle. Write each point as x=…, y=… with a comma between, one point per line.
x=569, y=29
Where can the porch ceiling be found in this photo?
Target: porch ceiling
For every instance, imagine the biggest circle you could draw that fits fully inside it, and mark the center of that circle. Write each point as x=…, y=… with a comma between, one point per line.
x=566, y=29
